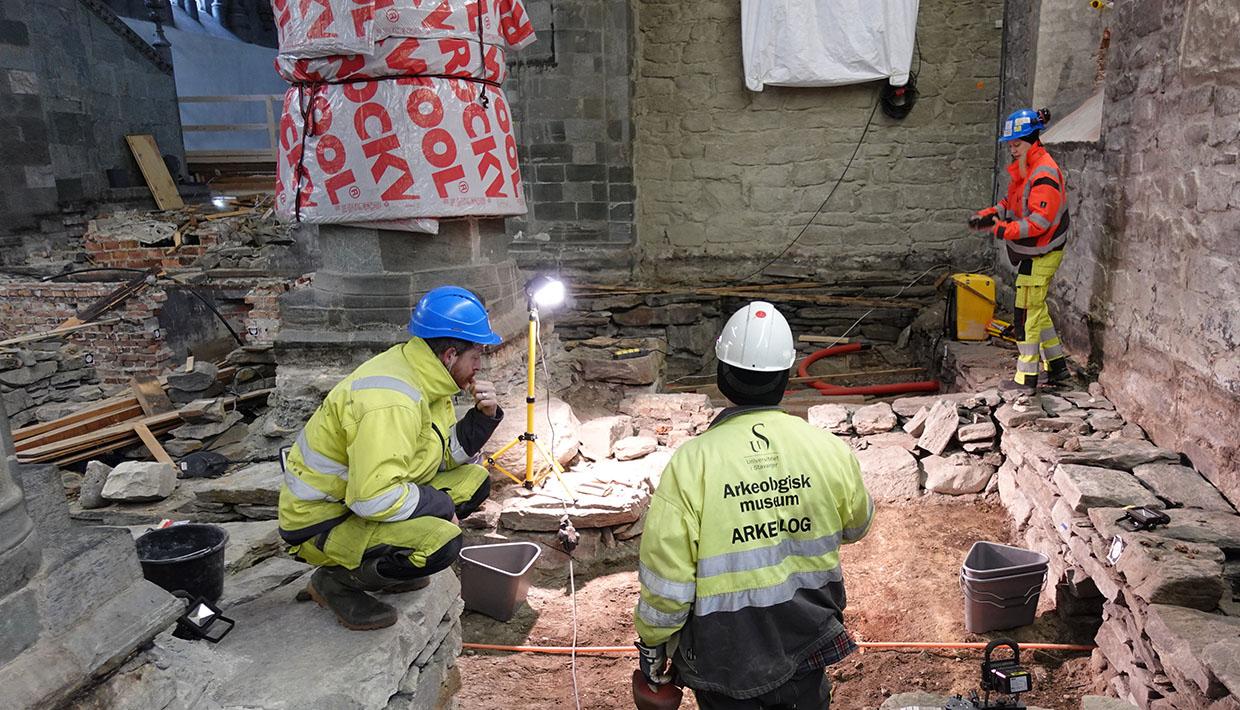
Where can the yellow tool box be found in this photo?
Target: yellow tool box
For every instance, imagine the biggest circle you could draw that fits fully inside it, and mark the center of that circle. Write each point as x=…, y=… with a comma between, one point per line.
x=971, y=306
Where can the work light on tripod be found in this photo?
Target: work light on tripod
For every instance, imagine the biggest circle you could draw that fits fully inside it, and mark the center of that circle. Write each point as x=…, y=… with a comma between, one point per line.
x=546, y=292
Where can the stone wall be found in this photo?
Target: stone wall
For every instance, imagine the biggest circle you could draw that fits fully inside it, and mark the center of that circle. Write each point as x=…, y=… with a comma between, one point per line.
x=72, y=85
x=570, y=94
x=731, y=174
x=1148, y=290
x=44, y=380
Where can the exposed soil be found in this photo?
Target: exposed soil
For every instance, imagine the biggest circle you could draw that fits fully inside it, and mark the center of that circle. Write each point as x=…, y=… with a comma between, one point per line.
x=902, y=586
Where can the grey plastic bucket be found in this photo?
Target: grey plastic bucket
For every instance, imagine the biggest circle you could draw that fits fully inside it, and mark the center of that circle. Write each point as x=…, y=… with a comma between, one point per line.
x=989, y=560
x=1001, y=603
x=496, y=578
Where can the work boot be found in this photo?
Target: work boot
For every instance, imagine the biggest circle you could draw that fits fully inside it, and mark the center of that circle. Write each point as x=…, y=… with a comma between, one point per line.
x=1017, y=393
x=409, y=585
x=343, y=592
x=1058, y=375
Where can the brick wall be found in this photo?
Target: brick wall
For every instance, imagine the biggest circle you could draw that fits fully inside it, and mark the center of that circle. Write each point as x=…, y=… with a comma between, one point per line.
x=116, y=351
x=1148, y=290
x=732, y=175
x=107, y=249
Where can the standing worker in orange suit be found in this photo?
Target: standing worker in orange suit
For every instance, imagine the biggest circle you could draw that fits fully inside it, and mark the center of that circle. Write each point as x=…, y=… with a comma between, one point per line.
x=1032, y=219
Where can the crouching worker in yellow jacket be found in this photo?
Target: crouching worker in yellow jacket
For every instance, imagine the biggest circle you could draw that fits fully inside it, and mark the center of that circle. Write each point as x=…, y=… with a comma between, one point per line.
x=740, y=574
x=379, y=477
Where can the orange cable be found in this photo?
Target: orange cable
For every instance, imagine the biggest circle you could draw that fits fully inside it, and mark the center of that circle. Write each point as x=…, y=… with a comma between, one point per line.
x=629, y=650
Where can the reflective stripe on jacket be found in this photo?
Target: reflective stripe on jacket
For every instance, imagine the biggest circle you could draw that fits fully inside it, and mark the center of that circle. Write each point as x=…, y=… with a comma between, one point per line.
x=739, y=556
x=1033, y=218
x=379, y=436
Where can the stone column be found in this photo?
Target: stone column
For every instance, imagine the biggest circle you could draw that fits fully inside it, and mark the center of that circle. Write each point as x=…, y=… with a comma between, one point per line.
x=20, y=556
x=362, y=295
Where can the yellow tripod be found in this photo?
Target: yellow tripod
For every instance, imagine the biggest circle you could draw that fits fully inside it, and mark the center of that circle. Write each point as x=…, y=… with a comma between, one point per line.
x=528, y=437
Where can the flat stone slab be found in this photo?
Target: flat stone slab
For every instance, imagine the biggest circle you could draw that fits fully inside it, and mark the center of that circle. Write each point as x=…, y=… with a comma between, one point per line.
x=873, y=419
x=835, y=418
x=251, y=543
x=940, y=427
x=1118, y=453
x=1085, y=400
x=1100, y=702
x=890, y=473
x=981, y=431
x=599, y=436
x=1163, y=571
x=908, y=442
x=1085, y=487
x=286, y=655
x=1209, y=527
x=956, y=475
x=635, y=447
x=1014, y=415
x=1183, y=639
x=256, y=485
x=1181, y=486
x=908, y=406
x=253, y=582
x=598, y=505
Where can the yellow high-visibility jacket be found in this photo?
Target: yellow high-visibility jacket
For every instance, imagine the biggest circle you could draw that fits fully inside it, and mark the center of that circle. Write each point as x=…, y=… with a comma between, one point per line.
x=374, y=443
x=739, y=561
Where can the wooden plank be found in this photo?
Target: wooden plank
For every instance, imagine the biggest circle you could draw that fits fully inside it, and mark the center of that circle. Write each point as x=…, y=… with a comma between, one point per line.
x=228, y=98
x=102, y=421
x=105, y=407
x=154, y=171
x=152, y=444
x=127, y=428
x=812, y=378
x=60, y=330
x=827, y=339
x=150, y=394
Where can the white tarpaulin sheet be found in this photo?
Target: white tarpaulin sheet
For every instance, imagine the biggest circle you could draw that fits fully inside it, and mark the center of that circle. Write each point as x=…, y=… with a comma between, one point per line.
x=826, y=42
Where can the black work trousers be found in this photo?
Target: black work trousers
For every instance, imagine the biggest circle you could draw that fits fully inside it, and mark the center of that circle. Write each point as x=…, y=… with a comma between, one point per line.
x=807, y=691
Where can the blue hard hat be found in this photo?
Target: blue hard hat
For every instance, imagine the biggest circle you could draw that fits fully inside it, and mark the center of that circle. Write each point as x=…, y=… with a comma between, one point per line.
x=452, y=312
x=1020, y=124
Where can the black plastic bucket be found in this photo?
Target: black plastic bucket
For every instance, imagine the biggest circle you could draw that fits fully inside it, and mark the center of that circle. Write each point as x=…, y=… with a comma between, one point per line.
x=187, y=560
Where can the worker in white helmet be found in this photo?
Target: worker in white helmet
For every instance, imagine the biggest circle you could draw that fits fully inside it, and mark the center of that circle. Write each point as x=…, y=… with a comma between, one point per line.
x=740, y=575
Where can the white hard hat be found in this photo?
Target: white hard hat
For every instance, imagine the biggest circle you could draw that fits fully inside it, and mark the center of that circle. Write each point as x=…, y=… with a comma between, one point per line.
x=757, y=337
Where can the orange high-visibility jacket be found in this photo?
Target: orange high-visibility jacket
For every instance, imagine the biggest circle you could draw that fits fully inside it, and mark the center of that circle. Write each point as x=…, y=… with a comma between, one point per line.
x=1033, y=217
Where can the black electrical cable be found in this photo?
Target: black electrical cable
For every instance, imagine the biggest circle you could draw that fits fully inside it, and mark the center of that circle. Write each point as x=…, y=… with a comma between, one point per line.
x=214, y=310
x=53, y=277
x=818, y=211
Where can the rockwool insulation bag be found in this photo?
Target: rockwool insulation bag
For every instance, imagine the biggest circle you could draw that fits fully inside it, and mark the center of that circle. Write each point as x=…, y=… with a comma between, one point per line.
x=826, y=42
x=503, y=21
x=402, y=56
x=396, y=149
x=320, y=28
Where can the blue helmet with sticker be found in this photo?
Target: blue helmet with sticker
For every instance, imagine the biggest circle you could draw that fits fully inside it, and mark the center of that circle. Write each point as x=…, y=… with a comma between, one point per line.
x=452, y=312
x=1022, y=123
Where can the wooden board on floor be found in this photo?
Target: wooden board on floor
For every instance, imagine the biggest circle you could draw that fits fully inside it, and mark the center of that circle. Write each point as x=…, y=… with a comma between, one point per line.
x=155, y=171
x=152, y=444
x=150, y=395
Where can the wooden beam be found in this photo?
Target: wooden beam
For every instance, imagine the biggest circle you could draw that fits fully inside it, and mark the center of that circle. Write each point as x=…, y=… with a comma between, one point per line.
x=150, y=394
x=155, y=171
x=103, y=408
x=60, y=330
x=133, y=411
x=152, y=444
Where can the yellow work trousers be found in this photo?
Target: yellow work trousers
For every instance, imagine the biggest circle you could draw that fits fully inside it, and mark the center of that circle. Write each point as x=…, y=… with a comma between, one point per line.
x=418, y=540
x=1038, y=342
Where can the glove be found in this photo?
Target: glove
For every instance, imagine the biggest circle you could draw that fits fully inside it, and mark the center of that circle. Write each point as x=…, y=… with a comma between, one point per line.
x=978, y=221
x=653, y=663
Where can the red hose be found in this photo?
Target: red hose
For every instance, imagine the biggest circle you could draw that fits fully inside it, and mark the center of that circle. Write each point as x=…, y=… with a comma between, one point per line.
x=893, y=388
